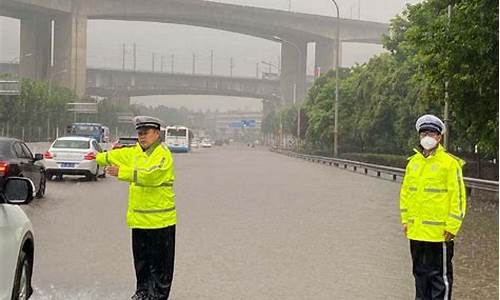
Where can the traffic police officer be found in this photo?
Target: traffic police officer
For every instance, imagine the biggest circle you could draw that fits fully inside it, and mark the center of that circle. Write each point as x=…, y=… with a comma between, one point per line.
x=432, y=203
x=148, y=167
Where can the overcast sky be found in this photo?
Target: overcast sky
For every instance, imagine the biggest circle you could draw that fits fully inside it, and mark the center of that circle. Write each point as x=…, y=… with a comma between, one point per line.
x=105, y=39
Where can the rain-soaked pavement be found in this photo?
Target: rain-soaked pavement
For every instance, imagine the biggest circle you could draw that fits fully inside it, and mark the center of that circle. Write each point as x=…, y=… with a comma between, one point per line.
x=252, y=225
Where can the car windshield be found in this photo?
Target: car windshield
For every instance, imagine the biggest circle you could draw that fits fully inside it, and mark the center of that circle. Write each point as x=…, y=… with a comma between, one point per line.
x=176, y=132
x=71, y=144
x=84, y=129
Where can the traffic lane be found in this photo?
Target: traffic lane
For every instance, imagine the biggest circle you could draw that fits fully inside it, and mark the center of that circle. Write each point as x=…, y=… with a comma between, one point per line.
x=258, y=225
x=82, y=242
x=252, y=225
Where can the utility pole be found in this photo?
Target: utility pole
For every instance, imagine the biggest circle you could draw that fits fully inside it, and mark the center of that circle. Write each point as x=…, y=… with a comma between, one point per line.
x=172, y=63
x=336, y=104
x=231, y=66
x=123, y=57
x=211, y=62
x=194, y=63
x=446, y=100
x=359, y=9
x=161, y=60
x=257, y=71
x=153, y=63
x=135, y=58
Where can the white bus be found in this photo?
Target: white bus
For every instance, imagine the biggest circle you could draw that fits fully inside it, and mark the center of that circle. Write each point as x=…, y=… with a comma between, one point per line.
x=178, y=138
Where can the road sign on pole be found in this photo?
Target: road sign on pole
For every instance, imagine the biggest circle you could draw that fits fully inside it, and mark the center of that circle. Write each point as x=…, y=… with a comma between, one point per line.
x=83, y=107
x=126, y=118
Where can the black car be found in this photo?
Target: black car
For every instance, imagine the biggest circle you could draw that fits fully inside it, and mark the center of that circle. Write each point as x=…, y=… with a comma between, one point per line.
x=17, y=160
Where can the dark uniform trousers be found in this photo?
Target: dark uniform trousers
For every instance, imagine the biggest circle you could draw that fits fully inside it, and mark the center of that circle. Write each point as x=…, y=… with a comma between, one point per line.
x=432, y=269
x=154, y=261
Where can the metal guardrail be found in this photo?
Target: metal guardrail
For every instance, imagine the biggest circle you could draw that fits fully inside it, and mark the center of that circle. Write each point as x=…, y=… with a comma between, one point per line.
x=9, y=87
x=394, y=173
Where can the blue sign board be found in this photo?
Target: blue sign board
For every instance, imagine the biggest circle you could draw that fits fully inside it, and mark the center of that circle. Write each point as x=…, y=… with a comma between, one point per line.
x=243, y=124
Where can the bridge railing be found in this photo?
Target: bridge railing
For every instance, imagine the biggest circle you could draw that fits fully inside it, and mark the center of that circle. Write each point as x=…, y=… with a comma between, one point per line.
x=395, y=174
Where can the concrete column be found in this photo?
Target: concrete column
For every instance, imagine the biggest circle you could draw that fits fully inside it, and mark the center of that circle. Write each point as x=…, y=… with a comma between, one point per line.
x=325, y=55
x=70, y=51
x=34, y=56
x=293, y=70
x=121, y=98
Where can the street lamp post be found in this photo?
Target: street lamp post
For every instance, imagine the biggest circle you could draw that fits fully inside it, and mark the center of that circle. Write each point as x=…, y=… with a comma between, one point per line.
x=336, y=108
x=294, y=86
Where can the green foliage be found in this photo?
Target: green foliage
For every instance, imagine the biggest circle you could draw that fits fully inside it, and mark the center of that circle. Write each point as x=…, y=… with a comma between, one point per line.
x=380, y=100
x=36, y=110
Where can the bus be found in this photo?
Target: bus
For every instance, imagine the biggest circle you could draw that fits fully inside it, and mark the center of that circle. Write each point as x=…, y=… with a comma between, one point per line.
x=178, y=138
x=96, y=131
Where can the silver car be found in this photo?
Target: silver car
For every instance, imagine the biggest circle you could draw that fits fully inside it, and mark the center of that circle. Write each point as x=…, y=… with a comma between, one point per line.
x=17, y=245
x=73, y=155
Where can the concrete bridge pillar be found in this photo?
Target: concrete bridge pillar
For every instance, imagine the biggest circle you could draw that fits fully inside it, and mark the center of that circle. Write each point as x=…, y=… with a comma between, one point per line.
x=325, y=55
x=293, y=71
x=70, y=53
x=34, y=56
x=121, y=98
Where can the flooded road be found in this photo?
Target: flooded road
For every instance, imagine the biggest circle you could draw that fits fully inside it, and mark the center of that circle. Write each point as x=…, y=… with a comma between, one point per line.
x=251, y=225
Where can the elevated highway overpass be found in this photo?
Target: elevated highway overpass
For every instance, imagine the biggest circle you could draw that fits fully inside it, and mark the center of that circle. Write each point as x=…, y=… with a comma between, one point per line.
x=70, y=19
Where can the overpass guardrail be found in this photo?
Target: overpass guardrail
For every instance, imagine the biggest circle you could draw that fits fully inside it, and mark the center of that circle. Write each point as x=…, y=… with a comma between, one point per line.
x=396, y=174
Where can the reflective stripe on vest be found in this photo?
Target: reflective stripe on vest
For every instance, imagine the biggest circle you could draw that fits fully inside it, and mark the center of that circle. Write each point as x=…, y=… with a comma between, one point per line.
x=165, y=184
x=433, y=190
x=460, y=218
x=434, y=223
x=153, y=211
x=155, y=167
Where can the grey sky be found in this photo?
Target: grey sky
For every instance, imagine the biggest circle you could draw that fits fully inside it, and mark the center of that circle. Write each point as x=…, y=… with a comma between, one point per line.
x=105, y=39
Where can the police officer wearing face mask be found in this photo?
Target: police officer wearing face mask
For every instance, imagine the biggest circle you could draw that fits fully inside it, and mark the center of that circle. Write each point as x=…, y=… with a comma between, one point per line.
x=151, y=214
x=432, y=203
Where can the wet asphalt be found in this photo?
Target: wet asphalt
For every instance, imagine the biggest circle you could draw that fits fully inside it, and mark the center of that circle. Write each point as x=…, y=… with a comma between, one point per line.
x=251, y=225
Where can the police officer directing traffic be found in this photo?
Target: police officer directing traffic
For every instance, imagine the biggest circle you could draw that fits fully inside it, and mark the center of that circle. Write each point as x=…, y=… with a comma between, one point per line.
x=432, y=203
x=148, y=167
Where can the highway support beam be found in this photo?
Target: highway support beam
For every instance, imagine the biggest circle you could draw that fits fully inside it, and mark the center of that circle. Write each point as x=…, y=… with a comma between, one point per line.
x=34, y=56
x=324, y=56
x=70, y=51
x=293, y=71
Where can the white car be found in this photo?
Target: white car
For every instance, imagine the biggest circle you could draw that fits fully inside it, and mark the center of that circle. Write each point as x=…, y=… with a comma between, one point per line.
x=16, y=239
x=206, y=144
x=194, y=144
x=73, y=155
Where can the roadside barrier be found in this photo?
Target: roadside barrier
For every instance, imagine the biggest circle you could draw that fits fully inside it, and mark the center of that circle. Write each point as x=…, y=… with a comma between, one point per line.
x=396, y=174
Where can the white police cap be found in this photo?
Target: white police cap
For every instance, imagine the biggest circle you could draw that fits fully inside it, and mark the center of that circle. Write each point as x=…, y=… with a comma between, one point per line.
x=147, y=122
x=430, y=122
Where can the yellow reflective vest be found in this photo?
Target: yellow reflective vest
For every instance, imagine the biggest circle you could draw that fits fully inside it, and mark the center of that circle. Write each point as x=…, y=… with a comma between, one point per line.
x=432, y=198
x=151, y=202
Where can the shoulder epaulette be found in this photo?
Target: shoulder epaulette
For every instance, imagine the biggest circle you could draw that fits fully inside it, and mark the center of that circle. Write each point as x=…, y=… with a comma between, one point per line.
x=460, y=161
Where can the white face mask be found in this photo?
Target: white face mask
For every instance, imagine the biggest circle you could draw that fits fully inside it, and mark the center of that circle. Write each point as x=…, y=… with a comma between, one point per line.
x=428, y=143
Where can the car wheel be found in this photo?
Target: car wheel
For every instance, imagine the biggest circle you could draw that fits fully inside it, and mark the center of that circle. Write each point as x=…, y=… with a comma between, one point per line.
x=22, y=281
x=49, y=175
x=41, y=190
x=92, y=177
